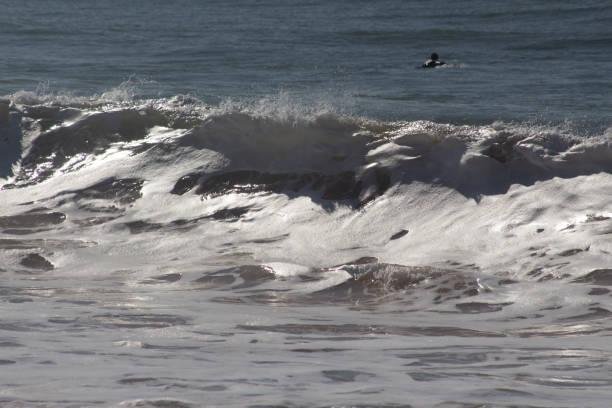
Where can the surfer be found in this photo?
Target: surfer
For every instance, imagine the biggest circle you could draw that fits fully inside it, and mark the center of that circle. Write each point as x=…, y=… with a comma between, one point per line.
x=433, y=62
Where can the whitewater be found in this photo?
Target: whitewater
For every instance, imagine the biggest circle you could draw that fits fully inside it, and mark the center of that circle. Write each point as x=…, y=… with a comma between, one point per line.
x=169, y=252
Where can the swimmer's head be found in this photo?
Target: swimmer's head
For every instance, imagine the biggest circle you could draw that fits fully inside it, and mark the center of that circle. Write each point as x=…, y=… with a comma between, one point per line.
x=434, y=57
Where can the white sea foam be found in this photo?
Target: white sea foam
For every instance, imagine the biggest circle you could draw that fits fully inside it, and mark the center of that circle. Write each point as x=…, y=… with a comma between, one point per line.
x=172, y=228
x=465, y=193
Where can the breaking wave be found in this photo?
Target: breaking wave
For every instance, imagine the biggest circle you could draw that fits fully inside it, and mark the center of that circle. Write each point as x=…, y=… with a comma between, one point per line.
x=306, y=185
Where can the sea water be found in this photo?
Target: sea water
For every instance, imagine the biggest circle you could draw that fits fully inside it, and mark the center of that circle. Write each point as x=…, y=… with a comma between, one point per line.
x=268, y=203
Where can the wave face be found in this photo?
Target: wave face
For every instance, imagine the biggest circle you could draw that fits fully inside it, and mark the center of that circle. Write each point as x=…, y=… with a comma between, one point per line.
x=275, y=205
x=453, y=188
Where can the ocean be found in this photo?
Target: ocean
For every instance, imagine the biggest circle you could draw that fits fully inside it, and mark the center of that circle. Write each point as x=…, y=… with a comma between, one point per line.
x=265, y=203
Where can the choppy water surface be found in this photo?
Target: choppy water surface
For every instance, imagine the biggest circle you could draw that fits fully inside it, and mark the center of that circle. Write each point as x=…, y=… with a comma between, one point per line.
x=184, y=343
x=278, y=209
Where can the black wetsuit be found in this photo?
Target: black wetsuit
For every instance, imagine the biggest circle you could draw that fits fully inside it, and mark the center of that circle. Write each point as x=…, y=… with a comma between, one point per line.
x=433, y=64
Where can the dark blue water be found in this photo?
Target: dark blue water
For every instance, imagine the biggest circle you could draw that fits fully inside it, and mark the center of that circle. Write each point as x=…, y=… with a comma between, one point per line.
x=521, y=60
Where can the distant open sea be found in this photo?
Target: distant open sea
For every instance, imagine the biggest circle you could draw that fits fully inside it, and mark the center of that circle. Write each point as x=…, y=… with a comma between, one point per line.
x=519, y=60
x=266, y=203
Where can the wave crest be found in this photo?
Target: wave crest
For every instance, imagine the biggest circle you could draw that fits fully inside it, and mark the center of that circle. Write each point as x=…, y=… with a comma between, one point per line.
x=278, y=135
